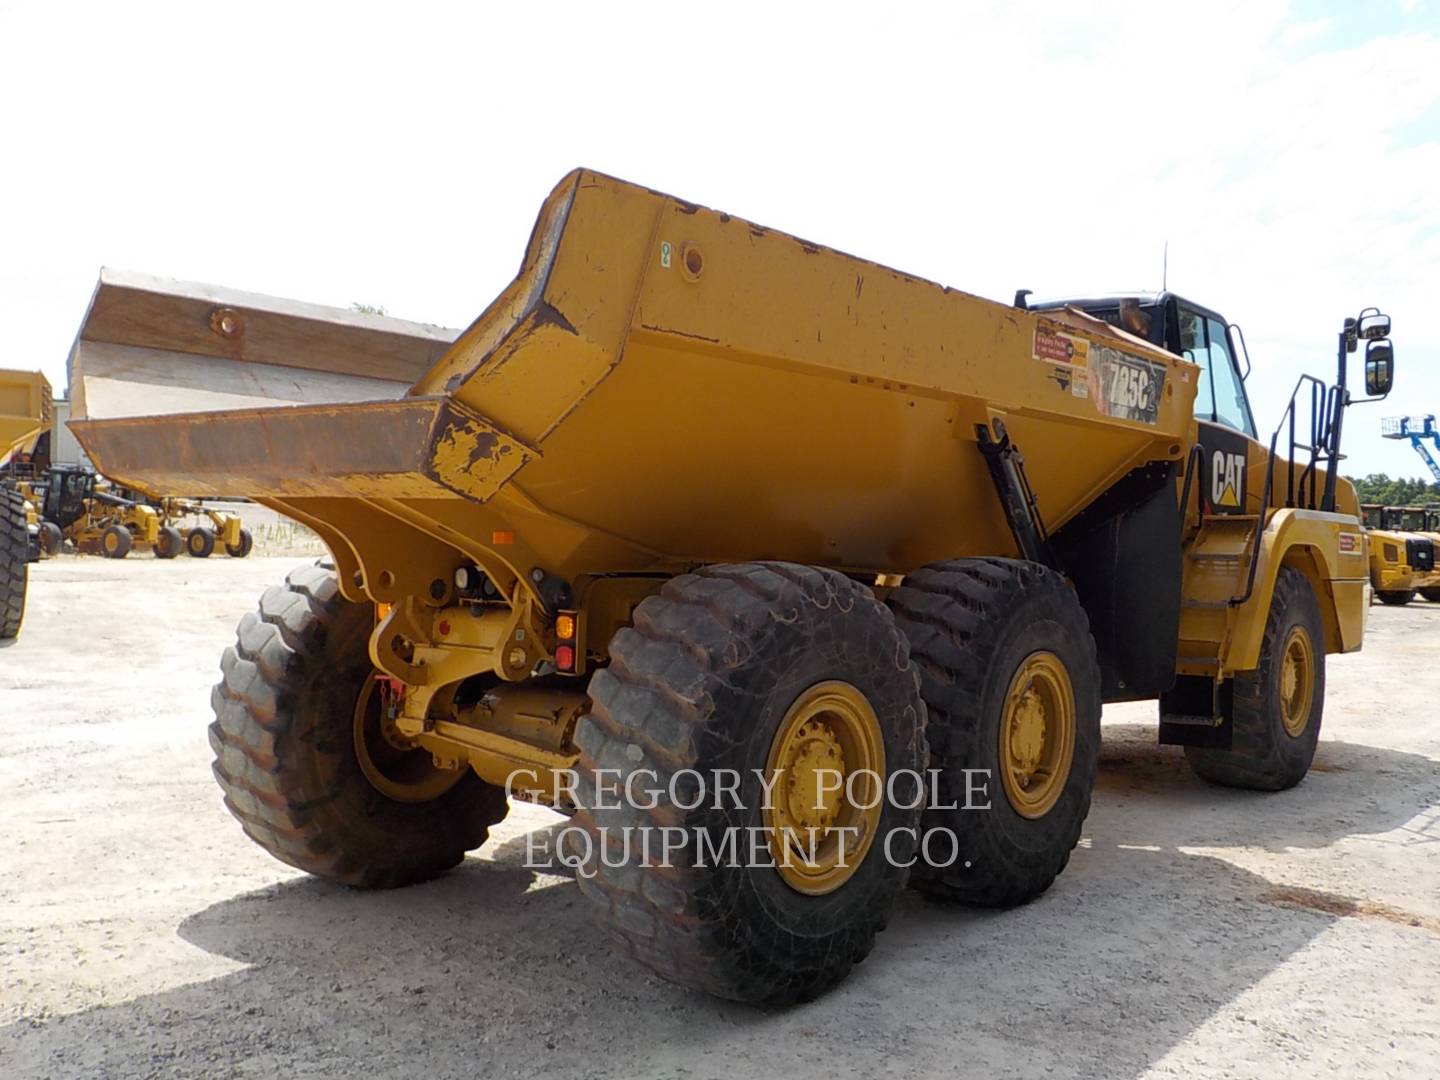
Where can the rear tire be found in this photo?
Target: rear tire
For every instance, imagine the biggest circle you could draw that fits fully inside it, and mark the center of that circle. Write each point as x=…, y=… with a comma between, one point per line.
x=14, y=563
x=116, y=542
x=286, y=752
x=1395, y=597
x=200, y=542
x=168, y=543
x=717, y=669
x=1433, y=595
x=1274, y=732
x=980, y=631
x=240, y=550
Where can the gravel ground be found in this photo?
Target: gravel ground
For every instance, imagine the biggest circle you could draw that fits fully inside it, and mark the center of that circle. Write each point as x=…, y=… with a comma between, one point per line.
x=1197, y=932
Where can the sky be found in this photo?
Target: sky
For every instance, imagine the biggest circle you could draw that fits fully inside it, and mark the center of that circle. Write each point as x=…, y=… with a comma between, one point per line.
x=396, y=154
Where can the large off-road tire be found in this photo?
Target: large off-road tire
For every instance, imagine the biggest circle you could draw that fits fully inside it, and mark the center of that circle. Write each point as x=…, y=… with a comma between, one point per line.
x=1433, y=595
x=116, y=542
x=243, y=548
x=1395, y=597
x=14, y=563
x=300, y=777
x=736, y=667
x=1275, y=719
x=168, y=542
x=200, y=542
x=994, y=640
x=52, y=539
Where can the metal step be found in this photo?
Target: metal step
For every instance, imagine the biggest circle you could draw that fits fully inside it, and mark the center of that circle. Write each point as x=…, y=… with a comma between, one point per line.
x=1215, y=556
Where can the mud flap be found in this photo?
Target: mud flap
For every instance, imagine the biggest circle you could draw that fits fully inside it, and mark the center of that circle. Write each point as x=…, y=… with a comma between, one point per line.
x=1196, y=712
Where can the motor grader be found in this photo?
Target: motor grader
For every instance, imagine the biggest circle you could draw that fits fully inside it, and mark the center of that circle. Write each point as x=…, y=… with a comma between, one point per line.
x=26, y=410
x=79, y=508
x=198, y=538
x=700, y=530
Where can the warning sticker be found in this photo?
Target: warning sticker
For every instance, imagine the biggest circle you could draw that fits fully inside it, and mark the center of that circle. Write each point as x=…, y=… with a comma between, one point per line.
x=1350, y=543
x=1055, y=346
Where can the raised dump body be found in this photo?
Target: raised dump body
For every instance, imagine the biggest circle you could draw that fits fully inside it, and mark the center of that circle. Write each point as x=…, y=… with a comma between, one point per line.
x=26, y=409
x=699, y=505
x=151, y=346
x=665, y=385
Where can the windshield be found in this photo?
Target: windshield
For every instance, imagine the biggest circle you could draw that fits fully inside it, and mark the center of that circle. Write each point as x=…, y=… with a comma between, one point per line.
x=1413, y=520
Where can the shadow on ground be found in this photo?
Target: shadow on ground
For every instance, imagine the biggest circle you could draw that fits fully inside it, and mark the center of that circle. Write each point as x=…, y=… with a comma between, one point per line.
x=495, y=971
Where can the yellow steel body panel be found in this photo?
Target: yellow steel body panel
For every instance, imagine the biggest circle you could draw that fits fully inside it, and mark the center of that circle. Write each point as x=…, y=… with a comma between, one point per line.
x=26, y=408
x=1389, y=568
x=1311, y=542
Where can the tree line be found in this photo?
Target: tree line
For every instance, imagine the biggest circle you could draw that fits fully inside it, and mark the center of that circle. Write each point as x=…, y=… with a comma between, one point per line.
x=1379, y=488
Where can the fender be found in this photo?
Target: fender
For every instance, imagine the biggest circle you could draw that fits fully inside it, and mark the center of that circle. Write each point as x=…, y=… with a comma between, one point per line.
x=1330, y=550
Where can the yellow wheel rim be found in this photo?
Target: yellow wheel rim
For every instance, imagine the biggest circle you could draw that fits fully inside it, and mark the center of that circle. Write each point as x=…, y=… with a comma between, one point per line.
x=395, y=767
x=1297, y=681
x=112, y=542
x=827, y=774
x=1037, y=735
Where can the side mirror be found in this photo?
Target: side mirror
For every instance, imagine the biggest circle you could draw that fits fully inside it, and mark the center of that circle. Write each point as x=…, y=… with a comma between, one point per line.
x=1379, y=367
x=1373, y=326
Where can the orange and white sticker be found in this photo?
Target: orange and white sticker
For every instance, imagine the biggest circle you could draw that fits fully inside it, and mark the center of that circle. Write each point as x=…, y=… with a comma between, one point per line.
x=1349, y=543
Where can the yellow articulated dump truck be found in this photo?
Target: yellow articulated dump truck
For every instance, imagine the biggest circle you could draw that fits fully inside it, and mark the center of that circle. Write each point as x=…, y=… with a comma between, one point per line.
x=1402, y=557
x=793, y=577
x=26, y=410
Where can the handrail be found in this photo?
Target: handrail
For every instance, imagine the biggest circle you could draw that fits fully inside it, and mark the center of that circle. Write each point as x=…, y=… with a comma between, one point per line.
x=1325, y=404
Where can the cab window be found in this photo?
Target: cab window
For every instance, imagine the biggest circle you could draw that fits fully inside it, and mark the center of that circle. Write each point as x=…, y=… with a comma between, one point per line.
x=1221, y=396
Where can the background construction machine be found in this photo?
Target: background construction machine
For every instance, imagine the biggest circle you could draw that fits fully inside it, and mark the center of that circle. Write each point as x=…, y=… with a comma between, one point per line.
x=198, y=538
x=201, y=528
x=1400, y=560
x=1422, y=525
x=77, y=507
x=1418, y=430
x=697, y=503
x=26, y=410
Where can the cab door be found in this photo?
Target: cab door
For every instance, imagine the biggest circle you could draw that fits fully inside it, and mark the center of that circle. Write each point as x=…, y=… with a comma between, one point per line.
x=1226, y=425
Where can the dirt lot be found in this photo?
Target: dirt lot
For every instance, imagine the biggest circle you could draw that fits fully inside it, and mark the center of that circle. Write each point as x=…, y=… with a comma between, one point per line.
x=1197, y=932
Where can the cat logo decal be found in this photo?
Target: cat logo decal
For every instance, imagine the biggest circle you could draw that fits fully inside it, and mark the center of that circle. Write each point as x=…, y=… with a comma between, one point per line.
x=1227, y=480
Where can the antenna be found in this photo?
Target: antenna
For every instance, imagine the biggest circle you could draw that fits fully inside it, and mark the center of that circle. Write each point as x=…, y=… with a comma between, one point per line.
x=1165, y=268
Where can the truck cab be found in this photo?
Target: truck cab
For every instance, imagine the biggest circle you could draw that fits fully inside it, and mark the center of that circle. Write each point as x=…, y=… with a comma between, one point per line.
x=1199, y=334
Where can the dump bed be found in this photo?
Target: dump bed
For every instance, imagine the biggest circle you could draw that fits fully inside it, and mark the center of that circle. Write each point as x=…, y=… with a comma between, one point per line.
x=26, y=409
x=661, y=385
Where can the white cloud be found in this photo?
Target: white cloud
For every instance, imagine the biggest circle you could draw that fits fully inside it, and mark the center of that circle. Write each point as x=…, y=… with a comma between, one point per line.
x=397, y=155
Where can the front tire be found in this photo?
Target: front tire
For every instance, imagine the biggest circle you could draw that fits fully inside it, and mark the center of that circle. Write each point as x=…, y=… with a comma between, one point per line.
x=1433, y=595
x=116, y=542
x=292, y=736
x=1012, y=690
x=770, y=669
x=200, y=542
x=1275, y=719
x=1395, y=597
x=14, y=563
